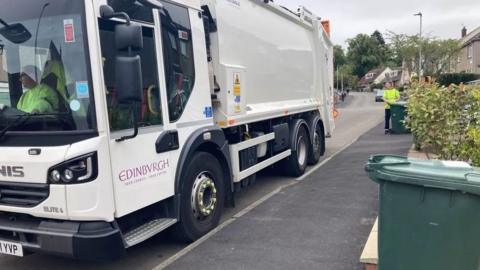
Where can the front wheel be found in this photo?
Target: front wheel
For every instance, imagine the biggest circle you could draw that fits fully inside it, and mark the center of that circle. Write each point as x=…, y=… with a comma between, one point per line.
x=202, y=197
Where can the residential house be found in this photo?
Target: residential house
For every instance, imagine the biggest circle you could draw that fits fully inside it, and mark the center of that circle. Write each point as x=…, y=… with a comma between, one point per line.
x=399, y=76
x=374, y=76
x=469, y=59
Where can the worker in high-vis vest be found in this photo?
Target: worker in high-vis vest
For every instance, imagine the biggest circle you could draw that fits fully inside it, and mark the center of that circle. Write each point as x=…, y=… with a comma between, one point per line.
x=37, y=97
x=390, y=96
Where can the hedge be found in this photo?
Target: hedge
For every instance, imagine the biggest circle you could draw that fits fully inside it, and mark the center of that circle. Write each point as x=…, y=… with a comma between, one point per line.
x=456, y=78
x=446, y=120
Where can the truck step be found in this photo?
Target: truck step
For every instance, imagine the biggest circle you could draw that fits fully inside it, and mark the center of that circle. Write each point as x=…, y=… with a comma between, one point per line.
x=147, y=230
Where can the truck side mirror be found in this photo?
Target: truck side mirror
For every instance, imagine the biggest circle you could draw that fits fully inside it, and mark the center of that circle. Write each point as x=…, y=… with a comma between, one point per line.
x=128, y=37
x=128, y=64
x=128, y=71
x=128, y=79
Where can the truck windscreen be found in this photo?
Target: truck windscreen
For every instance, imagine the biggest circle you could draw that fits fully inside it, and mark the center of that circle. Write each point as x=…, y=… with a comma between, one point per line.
x=44, y=68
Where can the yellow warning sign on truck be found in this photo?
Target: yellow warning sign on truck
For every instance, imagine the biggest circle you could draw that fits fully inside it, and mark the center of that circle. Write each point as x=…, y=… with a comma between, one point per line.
x=237, y=88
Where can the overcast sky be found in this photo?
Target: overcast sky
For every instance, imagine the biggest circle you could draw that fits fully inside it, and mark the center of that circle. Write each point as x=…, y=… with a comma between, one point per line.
x=441, y=18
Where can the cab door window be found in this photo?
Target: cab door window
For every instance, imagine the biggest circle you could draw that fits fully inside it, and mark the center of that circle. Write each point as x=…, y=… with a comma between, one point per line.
x=120, y=116
x=178, y=57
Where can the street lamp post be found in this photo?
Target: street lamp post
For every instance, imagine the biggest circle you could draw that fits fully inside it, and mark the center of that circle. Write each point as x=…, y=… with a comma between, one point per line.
x=420, y=46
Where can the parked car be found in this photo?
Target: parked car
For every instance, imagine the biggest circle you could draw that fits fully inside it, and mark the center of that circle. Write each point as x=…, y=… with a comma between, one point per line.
x=476, y=82
x=378, y=95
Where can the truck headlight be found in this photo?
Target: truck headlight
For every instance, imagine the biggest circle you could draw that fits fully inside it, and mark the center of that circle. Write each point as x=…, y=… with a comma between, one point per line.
x=75, y=171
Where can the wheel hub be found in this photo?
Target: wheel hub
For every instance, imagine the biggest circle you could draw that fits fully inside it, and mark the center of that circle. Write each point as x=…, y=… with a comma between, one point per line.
x=204, y=196
x=301, y=151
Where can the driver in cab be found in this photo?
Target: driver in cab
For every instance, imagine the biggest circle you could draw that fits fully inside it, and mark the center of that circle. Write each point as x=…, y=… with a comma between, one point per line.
x=37, y=97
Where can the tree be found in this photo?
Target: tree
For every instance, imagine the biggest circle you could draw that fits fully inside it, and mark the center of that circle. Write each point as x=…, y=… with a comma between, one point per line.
x=339, y=56
x=379, y=37
x=349, y=79
x=383, y=52
x=437, y=56
x=345, y=73
x=366, y=52
x=403, y=48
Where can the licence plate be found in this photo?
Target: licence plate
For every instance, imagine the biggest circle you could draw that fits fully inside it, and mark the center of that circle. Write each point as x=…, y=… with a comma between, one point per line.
x=11, y=248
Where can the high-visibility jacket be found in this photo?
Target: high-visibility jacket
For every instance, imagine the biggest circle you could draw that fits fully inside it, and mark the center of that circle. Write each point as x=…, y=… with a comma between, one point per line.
x=40, y=98
x=390, y=96
x=56, y=69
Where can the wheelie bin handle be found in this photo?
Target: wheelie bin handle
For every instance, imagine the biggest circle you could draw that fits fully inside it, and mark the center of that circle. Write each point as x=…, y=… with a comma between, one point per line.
x=375, y=162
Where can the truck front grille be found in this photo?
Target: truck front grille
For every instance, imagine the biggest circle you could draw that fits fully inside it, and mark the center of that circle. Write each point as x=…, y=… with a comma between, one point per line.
x=22, y=195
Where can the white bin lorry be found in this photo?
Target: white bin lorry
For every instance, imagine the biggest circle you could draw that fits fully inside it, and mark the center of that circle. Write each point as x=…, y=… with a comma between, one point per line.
x=124, y=118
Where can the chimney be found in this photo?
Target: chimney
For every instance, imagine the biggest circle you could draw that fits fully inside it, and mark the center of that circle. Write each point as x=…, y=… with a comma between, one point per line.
x=464, y=32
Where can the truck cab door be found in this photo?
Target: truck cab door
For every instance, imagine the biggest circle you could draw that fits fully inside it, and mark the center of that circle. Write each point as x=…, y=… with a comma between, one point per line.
x=142, y=167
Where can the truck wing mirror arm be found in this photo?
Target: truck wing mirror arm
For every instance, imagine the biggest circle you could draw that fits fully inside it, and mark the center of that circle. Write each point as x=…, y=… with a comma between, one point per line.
x=107, y=12
x=135, y=125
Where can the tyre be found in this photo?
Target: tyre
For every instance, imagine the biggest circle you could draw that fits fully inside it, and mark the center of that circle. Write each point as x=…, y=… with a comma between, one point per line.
x=296, y=164
x=202, y=197
x=318, y=144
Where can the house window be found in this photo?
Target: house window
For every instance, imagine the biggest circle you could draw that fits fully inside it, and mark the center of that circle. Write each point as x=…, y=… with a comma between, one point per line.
x=470, y=51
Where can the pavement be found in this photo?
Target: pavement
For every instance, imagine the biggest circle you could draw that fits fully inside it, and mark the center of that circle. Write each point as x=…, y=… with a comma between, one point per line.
x=321, y=223
x=358, y=114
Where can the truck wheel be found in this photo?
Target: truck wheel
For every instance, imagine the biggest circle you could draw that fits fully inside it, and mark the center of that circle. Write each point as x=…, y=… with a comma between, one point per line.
x=318, y=145
x=202, y=197
x=296, y=164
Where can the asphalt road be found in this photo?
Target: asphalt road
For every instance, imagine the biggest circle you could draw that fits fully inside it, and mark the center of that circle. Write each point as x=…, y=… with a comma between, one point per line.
x=320, y=223
x=358, y=114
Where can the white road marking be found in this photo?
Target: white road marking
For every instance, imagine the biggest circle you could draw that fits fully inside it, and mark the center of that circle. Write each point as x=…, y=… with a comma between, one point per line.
x=245, y=211
x=318, y=166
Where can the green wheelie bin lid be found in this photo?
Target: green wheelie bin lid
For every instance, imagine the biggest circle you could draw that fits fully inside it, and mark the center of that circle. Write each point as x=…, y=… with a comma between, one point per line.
x=428, y=214
x=450, y=175
x=400, y=103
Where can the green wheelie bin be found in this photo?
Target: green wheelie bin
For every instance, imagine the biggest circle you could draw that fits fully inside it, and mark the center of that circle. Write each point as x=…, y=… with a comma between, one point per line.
x=429, y=216
x=399, y=113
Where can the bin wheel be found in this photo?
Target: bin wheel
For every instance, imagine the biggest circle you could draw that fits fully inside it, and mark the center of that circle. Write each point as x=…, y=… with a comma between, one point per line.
x=202, y=197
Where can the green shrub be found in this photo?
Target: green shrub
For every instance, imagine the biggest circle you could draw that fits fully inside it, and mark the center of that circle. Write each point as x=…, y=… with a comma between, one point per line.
x=446, y=120
x=456, y=78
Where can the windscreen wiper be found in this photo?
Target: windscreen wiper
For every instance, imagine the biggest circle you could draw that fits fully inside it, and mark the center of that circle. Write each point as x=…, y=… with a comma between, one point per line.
x=19, y=121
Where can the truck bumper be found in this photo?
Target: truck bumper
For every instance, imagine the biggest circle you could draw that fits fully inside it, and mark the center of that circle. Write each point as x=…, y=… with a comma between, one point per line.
x=95, y=241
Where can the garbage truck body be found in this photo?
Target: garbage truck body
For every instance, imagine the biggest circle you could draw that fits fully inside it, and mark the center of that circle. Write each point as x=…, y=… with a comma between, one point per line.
x=148, y=114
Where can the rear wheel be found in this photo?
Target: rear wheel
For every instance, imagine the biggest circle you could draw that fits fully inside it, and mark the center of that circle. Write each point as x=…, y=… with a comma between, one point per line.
x=296, y=164
x=318, y=145
x=202, y=197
